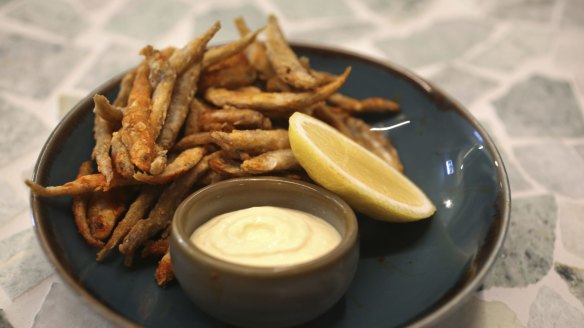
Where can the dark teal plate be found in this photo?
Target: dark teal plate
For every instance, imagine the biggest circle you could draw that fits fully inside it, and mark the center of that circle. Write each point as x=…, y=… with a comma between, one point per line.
x=408, y=273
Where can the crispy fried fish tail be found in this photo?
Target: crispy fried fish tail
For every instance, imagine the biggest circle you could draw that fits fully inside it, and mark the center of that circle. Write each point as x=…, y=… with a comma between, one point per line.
x=164, y=273
x=256, y=52
x=284, y=60
x=242, y=26
x=181, y=59
x=215, y=55
x=80, y=203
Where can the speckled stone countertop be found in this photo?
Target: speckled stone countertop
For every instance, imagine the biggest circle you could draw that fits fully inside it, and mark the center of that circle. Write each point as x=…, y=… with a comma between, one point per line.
x=517, y=65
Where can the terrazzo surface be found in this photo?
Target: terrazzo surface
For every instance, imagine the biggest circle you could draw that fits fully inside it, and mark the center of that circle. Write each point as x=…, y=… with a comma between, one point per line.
x=516, y=65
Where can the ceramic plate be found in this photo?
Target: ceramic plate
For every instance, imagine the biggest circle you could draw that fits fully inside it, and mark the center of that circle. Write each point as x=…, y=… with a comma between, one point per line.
x=409, y=273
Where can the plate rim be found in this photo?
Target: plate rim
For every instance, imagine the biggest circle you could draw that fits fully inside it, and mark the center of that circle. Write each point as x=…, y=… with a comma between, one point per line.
x=447, y=304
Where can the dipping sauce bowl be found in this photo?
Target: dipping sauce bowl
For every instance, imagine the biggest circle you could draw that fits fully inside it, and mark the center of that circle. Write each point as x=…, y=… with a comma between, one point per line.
x=263, y=296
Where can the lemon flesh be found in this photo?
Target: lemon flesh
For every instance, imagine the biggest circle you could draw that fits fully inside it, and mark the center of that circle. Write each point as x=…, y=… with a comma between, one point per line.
x=362, y=179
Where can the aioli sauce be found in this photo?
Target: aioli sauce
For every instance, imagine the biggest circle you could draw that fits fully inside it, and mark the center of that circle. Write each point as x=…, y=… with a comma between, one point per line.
x=266, y=236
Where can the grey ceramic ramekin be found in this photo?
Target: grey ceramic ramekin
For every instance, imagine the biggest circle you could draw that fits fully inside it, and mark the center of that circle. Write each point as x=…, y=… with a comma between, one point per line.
x=263, y=296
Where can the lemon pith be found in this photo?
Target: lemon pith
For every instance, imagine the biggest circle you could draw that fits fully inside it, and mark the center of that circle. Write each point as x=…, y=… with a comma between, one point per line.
x=366, y=182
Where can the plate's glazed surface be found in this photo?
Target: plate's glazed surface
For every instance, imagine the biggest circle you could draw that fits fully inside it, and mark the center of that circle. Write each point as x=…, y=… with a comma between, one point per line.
x=408, y=273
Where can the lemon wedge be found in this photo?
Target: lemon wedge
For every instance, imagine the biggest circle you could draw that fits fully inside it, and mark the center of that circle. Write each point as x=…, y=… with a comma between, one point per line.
x=362, y=179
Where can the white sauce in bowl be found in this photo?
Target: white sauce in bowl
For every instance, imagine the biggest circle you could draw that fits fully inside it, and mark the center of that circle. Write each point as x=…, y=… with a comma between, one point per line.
x=266, y=236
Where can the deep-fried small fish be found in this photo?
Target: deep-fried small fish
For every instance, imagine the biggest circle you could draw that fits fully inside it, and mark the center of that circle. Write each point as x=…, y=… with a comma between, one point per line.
x=185, y=89
x=137, y=211
x=184, y=162
x=136, y=132
x=274, y=101
x=275, y=160
x=103, y=211
x=194, y=140
x=80, y=203
x=85, y=184
x=284, y=60
x=367, y=105
x=102, y=133
x=251, y=141
x=234, y=117
x=164, y=80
